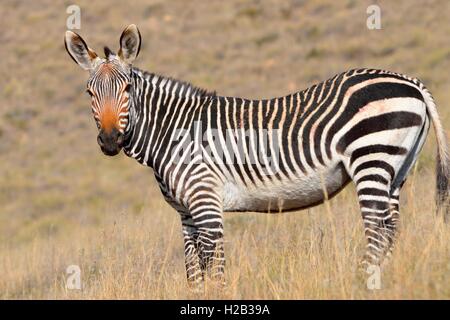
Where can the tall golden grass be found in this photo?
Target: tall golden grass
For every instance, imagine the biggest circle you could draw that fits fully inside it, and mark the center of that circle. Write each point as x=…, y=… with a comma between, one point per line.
x=311, y=254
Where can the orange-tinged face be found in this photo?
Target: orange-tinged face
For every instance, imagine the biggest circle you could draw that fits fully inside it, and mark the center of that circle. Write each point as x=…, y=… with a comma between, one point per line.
x=109, y=118
x=109, y=87
x=111, y=113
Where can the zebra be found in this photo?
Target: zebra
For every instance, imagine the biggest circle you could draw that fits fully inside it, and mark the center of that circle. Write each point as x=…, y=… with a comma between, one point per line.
x=363, y=125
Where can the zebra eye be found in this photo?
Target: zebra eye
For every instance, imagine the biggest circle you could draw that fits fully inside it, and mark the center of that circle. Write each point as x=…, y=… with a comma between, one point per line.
x=127, y=88
x=90, y=92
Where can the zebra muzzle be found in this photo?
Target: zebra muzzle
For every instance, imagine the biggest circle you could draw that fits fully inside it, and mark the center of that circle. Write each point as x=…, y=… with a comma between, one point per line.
x=110, y=142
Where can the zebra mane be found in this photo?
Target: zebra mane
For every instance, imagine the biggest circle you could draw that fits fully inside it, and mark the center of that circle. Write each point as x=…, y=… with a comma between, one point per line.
x=194, y=90
x=108, y=52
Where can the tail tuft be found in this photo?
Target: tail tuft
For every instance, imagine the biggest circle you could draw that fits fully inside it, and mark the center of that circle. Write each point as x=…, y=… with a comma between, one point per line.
x=442, y=189
x=443, y=159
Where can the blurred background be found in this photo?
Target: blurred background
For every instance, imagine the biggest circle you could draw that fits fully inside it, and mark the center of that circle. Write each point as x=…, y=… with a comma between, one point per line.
x=57, y=188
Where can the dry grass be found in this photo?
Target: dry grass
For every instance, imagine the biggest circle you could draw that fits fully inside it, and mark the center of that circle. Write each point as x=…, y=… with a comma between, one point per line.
x=62, y=202
x=280, y=256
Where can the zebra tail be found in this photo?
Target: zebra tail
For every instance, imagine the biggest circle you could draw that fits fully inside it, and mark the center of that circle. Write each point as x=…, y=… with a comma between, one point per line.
x=442, y=159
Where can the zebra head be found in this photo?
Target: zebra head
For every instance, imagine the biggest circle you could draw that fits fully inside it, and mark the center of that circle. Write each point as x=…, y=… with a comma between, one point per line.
x=109, y=85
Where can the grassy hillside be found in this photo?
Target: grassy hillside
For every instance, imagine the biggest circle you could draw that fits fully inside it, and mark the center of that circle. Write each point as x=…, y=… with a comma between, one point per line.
x=63, y=202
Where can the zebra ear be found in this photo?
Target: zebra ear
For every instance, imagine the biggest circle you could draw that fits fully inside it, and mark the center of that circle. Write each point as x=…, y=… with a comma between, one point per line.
x=78, y=50
x=130, y=44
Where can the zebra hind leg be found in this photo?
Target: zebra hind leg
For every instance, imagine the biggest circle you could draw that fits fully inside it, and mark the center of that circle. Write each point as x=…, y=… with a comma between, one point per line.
x=394, y=207
x=380, y=213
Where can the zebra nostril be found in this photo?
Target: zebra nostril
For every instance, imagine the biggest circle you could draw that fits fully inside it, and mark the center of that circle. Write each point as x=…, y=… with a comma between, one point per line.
x=100, y=141
x=120, y=140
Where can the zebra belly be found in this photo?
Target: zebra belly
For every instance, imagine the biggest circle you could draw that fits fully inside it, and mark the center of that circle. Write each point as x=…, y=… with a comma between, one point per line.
x=300, y=192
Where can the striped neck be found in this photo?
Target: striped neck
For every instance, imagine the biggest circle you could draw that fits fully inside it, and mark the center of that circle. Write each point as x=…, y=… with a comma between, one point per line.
x=155, y=99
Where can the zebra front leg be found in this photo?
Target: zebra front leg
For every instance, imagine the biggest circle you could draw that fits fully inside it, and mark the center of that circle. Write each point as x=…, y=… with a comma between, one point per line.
x=207, y=216
x=211, y=252
x=192, y=262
